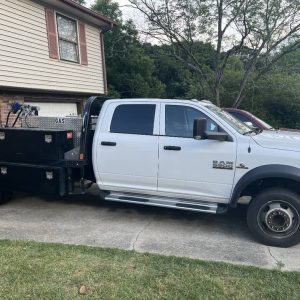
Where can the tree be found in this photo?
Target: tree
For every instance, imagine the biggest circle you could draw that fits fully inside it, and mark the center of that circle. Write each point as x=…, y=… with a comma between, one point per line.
x=272, y=89
x=180, y=81
x=81, y=2
x=259, y=27
x=130, y=71
x=275, y=95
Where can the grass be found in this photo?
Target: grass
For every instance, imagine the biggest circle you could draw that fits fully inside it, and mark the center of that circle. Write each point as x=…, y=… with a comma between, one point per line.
x=30, y=270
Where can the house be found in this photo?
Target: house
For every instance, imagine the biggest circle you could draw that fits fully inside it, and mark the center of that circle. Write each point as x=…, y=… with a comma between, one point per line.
x=51, y=55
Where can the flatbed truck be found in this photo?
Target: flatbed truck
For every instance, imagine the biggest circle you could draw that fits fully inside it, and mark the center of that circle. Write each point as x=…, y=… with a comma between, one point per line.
x=182, y=154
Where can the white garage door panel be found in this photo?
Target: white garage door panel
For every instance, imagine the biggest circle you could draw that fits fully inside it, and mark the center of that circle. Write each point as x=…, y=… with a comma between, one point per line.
x=49, y=109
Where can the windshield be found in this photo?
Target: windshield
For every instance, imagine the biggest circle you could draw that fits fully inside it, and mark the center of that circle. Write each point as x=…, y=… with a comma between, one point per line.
x=231, y=120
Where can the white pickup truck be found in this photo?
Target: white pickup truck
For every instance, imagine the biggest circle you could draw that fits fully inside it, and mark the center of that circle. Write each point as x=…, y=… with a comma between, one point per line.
x=183, y=154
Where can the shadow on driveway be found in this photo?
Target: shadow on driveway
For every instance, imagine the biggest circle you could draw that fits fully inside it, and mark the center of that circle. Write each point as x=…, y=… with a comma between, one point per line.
x=90, y=220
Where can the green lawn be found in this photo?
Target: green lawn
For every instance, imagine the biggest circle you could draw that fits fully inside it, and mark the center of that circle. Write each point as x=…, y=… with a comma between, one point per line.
x=51, y=271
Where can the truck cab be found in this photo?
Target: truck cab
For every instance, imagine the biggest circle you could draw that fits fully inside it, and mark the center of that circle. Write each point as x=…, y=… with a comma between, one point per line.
x=148, y=147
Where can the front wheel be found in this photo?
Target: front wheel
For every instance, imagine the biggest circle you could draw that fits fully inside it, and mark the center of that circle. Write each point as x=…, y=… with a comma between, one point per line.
x=274, y=217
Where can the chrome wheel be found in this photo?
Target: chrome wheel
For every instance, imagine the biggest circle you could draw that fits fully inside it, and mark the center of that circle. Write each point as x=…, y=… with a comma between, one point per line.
x=278, y=219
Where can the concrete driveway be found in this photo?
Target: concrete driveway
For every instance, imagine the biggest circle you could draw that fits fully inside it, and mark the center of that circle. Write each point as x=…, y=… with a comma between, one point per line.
x=88, y=220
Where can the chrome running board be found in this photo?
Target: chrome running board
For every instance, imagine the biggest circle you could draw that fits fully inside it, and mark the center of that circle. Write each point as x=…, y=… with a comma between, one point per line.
x=192, y=205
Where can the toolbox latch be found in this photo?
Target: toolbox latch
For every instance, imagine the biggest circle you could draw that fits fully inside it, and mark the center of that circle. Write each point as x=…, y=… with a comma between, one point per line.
x=3, y=171
x=2, y=136
x=48, y=138
x=49, y=175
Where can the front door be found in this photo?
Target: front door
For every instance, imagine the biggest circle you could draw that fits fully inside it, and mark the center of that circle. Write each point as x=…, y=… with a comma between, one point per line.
x=127, y=147
x=189, y=168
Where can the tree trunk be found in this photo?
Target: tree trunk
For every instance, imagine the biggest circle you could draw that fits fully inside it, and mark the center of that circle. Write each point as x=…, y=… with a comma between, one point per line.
x=238, y=98
x=216, y=94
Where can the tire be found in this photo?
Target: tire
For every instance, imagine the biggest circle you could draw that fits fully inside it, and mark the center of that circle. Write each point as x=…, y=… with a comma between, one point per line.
x=5, y=197
x=273, y=217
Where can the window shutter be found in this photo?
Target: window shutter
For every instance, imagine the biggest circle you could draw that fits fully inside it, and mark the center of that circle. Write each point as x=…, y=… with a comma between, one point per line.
x=82, y=44
x=51, y=30
x=103, y=64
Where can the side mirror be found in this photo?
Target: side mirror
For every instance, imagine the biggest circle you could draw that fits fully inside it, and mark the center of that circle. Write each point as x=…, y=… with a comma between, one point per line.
x=200, y=132
x=200, y=126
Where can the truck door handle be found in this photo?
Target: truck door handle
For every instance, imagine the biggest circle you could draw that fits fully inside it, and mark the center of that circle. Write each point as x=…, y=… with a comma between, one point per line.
x=111, y=144
x=172, y=148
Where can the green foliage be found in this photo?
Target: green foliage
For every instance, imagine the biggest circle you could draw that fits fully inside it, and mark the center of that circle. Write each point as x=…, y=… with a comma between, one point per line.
x=108, y=8
x=289, y=64
x=180, y=81
x=276, y=99
x=131, y=72
x=146, y=70
x=82, y=2
x=233, y=74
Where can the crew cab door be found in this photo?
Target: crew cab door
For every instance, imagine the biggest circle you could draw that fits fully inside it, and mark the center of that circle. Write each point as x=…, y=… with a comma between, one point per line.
x=189, y=168
x=126, y=146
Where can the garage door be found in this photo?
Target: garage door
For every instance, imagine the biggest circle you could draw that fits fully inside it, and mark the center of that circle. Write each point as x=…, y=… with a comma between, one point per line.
x=50, y=109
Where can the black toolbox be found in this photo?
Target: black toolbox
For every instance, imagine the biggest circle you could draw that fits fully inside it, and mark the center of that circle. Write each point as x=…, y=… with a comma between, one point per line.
x=32, y=178
x=34, y=145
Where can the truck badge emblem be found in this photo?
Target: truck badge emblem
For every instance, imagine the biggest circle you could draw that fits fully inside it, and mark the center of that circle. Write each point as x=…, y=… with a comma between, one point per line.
x=48, y=138
x=241, y=166
x=49, y=175
x=2, y=136
x=224, y=165
x=3, y=170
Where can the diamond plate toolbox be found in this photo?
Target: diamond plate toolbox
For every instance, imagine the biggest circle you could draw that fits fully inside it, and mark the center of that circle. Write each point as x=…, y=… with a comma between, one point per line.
x=66, y=123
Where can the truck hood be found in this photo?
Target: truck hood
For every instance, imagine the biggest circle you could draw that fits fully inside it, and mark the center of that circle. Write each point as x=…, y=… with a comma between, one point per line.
x=278, y=139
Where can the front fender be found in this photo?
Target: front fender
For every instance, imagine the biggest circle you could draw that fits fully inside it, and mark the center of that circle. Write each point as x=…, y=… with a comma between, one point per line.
x=262, y=172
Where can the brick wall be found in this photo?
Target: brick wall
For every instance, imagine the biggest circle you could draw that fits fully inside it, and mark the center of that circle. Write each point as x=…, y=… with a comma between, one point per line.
x=5, y=107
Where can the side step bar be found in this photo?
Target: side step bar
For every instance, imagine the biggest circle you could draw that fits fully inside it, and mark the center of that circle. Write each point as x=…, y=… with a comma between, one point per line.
x=192, y=205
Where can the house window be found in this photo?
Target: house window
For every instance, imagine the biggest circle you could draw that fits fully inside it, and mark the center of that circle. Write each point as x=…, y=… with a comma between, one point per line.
x=67, y=38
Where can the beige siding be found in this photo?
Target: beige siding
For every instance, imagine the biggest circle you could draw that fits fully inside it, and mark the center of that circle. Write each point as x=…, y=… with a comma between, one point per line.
x=24, y=55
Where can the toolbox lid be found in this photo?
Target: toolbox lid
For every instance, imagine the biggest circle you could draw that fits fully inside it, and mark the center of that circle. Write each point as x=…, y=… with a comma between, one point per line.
x=34, y=129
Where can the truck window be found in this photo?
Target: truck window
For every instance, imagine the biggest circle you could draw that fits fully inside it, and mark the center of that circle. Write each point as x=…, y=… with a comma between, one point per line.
x=133, y=119
x=180, y=121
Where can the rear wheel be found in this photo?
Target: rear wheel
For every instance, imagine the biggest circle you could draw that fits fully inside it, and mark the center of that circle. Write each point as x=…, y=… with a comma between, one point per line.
x=274, y=217
x=5, y=197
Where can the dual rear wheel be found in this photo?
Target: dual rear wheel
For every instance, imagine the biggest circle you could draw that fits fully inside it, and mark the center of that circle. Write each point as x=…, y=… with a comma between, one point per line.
x=274, y=217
